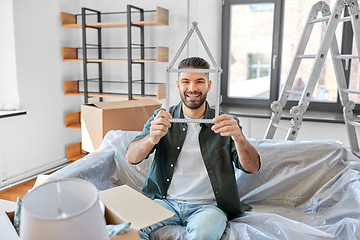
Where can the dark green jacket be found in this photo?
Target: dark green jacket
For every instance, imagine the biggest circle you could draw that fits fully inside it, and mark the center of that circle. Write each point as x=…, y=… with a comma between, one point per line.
x=219, y=154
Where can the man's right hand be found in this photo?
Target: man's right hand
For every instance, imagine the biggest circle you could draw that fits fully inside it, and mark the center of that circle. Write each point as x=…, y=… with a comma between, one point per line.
x=140, y=148
x=159, y=126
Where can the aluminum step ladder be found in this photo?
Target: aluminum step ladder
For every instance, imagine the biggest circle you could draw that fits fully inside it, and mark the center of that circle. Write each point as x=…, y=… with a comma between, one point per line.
x=328, y=42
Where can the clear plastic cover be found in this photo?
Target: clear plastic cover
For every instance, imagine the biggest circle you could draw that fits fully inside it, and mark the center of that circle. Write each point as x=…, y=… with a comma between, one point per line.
x=304, y=189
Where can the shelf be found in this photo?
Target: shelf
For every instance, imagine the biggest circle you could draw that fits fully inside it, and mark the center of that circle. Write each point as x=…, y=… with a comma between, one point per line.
x=72, y=88
x=72, y=120
x=74, y=152
x=68, y=20
x=70, y=55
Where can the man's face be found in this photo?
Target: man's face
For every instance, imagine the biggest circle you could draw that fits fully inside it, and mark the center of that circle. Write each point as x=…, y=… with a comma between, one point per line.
x=193, y=88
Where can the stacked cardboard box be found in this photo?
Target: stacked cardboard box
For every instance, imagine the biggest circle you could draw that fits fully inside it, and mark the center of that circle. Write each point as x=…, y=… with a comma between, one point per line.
x=99, y=118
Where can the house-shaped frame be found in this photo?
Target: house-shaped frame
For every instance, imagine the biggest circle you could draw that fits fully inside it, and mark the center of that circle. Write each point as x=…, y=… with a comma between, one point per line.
x=215, y=69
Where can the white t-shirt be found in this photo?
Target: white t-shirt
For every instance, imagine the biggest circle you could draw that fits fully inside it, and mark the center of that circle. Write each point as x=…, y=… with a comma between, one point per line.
x=190, y=182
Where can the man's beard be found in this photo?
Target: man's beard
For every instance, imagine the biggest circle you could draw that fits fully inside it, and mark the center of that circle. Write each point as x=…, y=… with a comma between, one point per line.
x=193, y=104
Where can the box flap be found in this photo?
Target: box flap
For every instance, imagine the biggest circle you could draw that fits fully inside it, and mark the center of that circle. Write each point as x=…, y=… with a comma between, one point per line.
x=6, y=206
x=41, y=179
x=123, y=104
x=91, y=127
x=125, y=204
x=90, y=105
x=7, y=230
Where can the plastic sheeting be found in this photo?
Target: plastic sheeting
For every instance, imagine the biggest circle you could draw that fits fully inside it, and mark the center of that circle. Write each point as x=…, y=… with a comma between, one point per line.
x=304, y=189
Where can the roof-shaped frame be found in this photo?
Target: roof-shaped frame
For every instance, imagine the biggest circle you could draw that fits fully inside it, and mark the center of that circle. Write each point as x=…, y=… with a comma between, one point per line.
x=216, y=69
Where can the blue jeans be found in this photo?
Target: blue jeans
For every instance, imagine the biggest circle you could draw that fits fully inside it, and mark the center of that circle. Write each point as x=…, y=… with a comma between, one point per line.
x=202, y=221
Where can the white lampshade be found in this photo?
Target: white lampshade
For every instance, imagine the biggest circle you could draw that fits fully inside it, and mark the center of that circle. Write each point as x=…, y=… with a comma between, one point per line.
x=65, y=209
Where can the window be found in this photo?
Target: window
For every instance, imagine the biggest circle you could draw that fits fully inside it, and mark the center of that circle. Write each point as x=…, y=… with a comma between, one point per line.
x=256, y=33
x=250, y=62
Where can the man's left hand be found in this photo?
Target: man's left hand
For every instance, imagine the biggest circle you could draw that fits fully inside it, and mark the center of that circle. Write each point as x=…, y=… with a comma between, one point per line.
x=226, y=125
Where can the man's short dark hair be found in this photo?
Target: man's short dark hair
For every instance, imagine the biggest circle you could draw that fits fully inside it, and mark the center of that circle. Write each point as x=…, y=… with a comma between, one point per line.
x=194, y=62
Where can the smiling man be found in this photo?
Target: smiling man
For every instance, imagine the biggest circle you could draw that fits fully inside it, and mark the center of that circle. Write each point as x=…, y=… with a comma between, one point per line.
x=192, y=173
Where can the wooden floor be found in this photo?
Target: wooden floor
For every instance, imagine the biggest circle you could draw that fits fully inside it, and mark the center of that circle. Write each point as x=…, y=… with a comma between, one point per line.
x=18, y=191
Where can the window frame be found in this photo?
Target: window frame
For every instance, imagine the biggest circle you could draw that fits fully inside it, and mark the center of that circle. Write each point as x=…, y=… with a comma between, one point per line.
x=276, y=50
x=278, y=25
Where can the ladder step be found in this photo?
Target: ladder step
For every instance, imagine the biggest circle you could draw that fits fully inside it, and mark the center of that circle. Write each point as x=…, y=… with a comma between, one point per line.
x=351, y=91
x=354, y=123
x=294, y=92
x=345, y=19
x=344, y=56
x=347, y=56
x=323, y=19
x=306, y=56
x=280, y=127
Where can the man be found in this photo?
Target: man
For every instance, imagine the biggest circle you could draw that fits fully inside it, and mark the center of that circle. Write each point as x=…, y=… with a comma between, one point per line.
x=192, y=173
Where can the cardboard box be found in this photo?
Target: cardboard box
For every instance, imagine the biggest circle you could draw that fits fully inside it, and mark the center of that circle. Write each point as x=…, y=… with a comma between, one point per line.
x=100, y=117
x=122, y=204
x=6, y=206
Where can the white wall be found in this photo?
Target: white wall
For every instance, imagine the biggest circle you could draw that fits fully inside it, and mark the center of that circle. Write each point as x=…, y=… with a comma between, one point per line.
x=36, y=141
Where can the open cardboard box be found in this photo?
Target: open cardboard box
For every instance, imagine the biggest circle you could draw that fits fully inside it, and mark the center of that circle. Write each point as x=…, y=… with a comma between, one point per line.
x=122, y=204
x=100, y=117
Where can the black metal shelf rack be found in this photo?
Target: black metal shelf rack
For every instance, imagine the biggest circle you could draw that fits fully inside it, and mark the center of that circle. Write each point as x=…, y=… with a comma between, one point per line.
x=69, y=20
